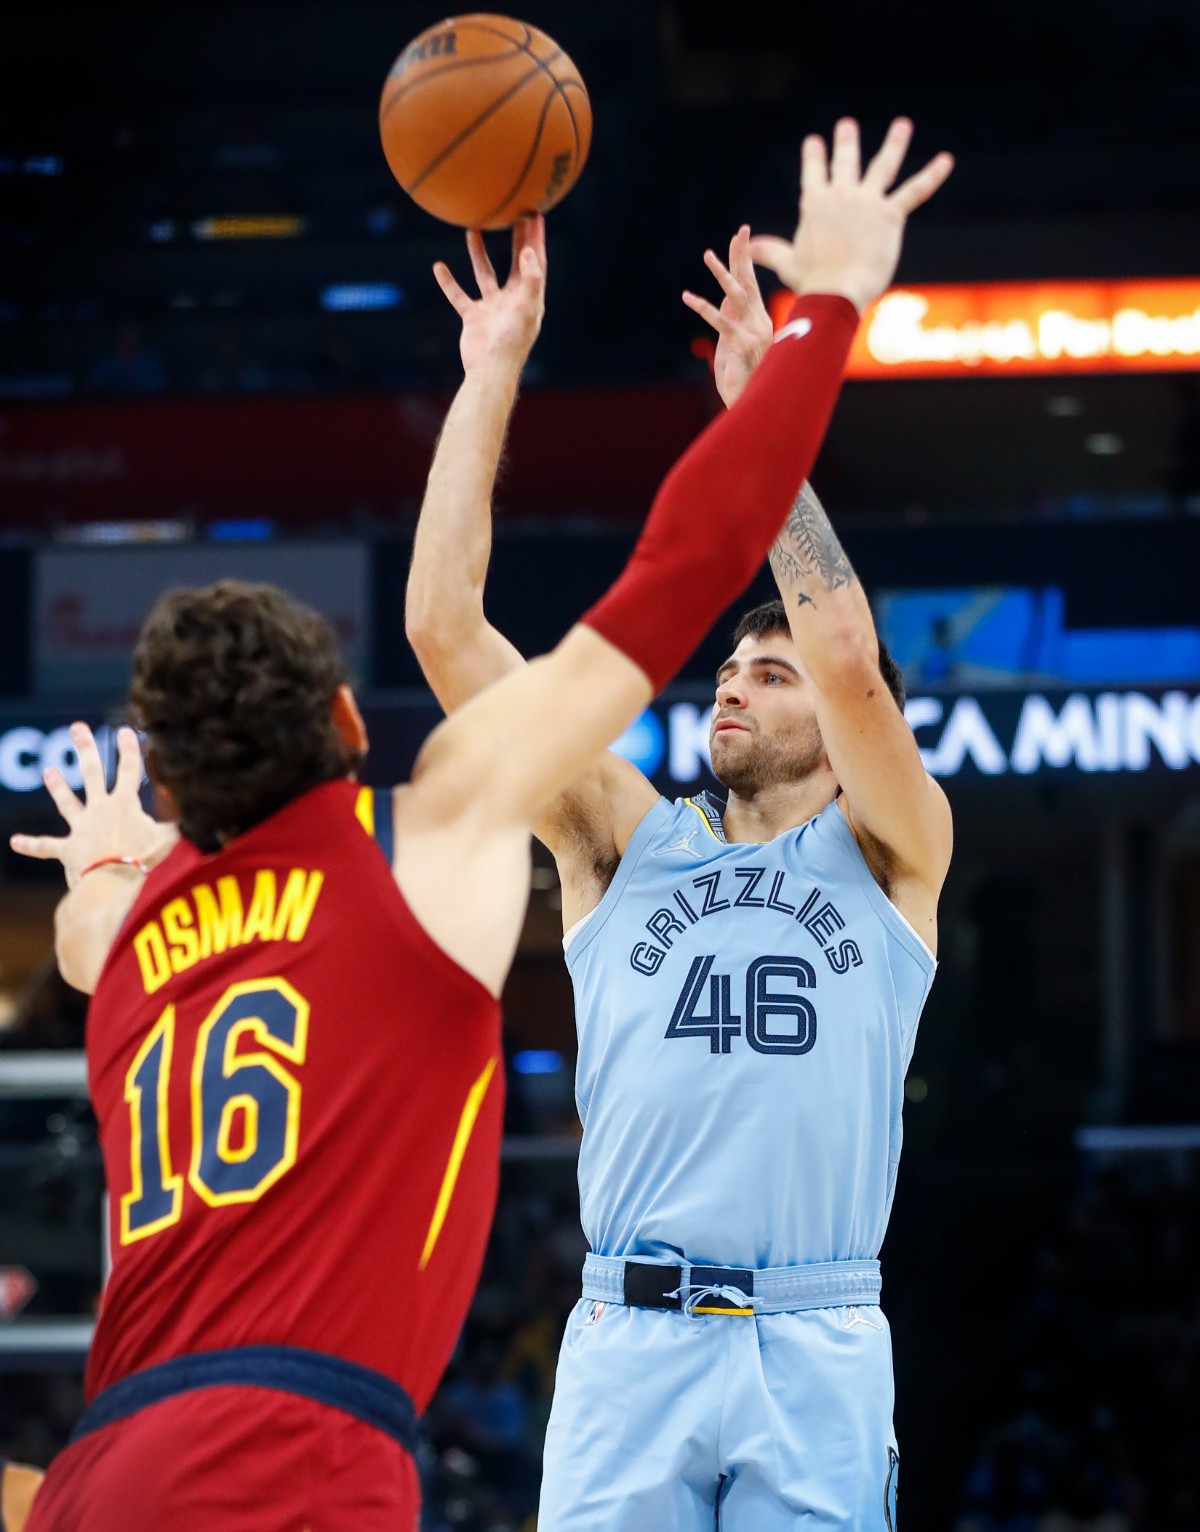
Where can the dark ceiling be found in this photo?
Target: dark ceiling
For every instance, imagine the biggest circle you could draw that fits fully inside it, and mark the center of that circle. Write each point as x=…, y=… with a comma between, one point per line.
x=1076, y=128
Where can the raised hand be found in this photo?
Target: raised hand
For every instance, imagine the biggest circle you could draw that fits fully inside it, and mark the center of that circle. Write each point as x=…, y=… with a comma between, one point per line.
x=851, y=222
x=104, y=823
x=504, y=321
x=743, y=325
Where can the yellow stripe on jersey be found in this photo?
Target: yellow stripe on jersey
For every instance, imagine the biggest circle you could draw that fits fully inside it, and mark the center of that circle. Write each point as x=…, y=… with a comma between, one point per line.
x=692, y=804
x=364, y=809
x=465, y=1125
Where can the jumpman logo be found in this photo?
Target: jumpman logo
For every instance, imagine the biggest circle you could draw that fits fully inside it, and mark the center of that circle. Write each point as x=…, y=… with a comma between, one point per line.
x=684, y=843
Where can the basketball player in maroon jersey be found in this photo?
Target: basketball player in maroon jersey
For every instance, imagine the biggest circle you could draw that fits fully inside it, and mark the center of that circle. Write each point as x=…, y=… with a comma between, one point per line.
x=294, y=1040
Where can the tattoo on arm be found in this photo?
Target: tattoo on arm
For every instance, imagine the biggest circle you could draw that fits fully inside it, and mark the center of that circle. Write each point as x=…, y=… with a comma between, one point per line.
x=806, y=557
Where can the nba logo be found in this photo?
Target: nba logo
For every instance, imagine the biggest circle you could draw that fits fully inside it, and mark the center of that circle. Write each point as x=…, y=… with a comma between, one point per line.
x=889, y=1491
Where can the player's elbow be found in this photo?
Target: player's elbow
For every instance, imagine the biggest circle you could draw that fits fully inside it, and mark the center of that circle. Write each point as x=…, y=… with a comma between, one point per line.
x=436, y=630
x=75, y=969
x=79, y=953
x=423, y=634
x=432, y=638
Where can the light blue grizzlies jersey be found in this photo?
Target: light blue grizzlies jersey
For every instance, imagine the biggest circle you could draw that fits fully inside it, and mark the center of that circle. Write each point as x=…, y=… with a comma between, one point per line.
x=746, y=1016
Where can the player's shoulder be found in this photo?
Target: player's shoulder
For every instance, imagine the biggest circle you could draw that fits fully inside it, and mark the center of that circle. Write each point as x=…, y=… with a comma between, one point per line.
x=693, y=821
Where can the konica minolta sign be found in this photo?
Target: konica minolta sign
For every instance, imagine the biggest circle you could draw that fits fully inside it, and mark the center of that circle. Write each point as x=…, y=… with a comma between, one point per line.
x=979, y=734
x=986, y=734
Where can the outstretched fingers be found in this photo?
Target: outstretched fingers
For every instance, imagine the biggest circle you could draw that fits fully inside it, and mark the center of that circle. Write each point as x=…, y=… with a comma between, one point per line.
x=42, y=848
x=709, y=312
x=772, y=252
x=481, y=263
x=846, y=162
x=65, y=801
x=129, y=763
x=724, y=318
x=888, y=158
x=529, y=233
x=921, y=186
x=728, y=280
x=740, y=262
x=814, y=164
x=446, y=280
x=529, y=249
x=91, y=767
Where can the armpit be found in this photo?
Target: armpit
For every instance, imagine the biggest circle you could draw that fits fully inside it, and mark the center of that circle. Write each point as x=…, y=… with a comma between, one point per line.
x=879, y=857
x=581, y=841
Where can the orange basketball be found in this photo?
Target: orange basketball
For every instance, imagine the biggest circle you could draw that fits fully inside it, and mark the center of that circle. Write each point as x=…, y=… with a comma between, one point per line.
x=483, y=119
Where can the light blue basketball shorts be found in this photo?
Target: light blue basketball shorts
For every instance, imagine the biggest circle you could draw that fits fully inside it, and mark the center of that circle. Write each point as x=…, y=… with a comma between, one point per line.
x=665, y=1421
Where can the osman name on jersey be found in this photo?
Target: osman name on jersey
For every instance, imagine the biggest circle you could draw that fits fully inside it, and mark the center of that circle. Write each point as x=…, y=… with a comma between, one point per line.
x=207, y=920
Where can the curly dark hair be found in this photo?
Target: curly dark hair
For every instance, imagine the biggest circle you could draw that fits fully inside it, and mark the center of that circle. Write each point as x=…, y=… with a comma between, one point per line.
x=771, y=617
x=233, y=685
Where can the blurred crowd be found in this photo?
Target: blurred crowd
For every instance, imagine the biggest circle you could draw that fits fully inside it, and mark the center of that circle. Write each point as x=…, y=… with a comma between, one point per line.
x=1092, y=1428
x=1100, y=1425
x=481, y=1450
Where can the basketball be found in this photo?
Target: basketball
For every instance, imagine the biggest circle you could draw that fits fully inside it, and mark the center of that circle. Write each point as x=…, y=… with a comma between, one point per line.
x=484, y=119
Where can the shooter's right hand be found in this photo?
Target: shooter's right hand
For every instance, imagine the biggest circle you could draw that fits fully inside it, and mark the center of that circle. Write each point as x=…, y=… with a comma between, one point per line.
x=501, y=325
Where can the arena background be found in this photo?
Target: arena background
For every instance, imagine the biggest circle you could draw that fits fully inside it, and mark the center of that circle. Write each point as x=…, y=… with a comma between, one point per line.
x=221, y=350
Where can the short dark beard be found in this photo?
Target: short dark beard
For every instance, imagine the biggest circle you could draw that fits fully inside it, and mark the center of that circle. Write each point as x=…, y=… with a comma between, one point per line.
x=774, y=763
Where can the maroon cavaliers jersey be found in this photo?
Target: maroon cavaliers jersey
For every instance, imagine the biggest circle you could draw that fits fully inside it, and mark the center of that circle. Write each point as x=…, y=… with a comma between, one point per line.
x=300, y=1103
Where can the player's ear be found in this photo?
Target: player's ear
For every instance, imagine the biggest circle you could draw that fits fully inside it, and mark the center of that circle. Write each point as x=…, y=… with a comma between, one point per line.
x=166, y=810
x=348, y=721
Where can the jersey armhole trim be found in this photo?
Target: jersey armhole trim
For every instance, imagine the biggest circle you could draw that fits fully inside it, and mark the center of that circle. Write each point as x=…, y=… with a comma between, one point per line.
x=567, y=938
x=899, y=924
x=373, y=808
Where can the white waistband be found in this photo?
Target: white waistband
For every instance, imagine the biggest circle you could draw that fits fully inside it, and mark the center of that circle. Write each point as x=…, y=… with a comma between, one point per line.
x=775, y=1289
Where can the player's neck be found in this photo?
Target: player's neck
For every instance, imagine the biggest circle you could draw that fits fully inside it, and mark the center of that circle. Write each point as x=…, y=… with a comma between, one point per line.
x=761, y=816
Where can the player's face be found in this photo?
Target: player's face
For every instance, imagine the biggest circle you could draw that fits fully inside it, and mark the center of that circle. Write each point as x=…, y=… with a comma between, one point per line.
x=764, y=724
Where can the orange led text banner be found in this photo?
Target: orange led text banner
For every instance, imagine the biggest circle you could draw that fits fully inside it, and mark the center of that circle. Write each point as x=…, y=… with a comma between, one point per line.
x=1013, y=329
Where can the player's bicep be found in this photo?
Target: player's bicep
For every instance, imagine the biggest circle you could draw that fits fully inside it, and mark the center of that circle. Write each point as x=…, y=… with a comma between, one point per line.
x=516, y=746
x=874, y=756
x=595, y=816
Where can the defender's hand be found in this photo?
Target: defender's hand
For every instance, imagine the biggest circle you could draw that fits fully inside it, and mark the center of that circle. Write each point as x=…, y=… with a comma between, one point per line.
x=743, y=325
x=503, y=322
x=851, y=223
x=104, y=823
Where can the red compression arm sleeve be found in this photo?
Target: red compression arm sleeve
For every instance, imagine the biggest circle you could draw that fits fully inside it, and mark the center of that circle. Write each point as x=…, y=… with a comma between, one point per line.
x=721, y=506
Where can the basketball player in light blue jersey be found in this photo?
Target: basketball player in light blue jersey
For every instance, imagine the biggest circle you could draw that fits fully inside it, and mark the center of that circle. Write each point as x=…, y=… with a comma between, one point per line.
x=748, y=980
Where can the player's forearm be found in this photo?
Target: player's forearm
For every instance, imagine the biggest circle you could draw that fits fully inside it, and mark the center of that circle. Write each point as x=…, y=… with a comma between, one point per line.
x=458, y=650
x=453, y=541
x=86, y=922
x=828, y=612
x=723, y=503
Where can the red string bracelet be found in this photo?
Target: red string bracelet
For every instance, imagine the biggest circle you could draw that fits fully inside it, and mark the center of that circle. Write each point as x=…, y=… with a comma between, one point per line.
x=115, y=861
